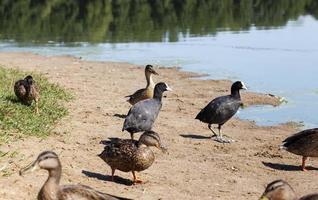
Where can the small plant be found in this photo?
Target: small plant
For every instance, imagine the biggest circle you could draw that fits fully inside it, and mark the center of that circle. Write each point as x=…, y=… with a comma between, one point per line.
x=16, y=119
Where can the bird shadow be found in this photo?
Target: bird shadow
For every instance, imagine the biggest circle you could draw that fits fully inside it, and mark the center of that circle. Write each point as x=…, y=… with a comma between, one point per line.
x=103, y=177
x=199, y=137
x=122, y=116
x=286, y=167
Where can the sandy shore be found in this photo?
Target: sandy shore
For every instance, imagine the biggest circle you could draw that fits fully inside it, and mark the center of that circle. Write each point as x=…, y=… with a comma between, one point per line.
x=195, y=167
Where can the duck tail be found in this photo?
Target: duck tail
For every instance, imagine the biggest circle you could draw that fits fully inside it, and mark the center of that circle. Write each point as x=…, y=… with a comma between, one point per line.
x=128, y=96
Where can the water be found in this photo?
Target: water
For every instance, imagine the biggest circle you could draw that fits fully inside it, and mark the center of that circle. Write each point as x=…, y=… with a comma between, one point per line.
x=277, y=57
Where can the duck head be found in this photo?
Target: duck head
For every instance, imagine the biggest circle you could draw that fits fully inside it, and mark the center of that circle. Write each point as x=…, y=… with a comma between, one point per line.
x=47, y=160
x=151, y=138
x=278, y=190
x=29, y=79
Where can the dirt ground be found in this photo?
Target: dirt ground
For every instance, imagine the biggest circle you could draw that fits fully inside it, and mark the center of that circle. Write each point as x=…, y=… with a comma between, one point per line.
x=195, y=167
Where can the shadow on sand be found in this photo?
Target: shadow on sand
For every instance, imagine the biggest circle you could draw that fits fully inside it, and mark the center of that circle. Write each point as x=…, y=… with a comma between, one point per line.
x=286, y=167
x=198, y=137
x=122, y=116
x=103, y=177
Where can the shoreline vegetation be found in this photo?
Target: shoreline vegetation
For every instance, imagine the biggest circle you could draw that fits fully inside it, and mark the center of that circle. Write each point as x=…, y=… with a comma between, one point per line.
x=98, y=90
x=68, y=21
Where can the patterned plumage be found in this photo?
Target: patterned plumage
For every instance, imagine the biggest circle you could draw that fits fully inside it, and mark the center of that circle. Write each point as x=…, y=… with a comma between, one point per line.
x=51, y=190
x=148, y=91
x=221, y=109
x=281, y=190
x=130, y=155
x=304, y=143
x=143, y=114
x=27, y=91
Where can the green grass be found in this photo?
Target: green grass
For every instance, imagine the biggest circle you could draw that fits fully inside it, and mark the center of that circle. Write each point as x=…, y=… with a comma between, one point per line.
x=18, y=120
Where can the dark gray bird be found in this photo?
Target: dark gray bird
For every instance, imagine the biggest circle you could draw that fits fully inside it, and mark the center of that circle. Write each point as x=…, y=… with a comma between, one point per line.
x=144, y=113
x=304, y=143
x=221, y=109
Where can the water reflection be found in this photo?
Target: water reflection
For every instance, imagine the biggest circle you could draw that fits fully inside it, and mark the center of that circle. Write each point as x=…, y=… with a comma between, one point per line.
x=139, y=20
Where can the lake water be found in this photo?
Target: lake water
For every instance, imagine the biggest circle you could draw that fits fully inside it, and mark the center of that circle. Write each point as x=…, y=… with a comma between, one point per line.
x=278, y=57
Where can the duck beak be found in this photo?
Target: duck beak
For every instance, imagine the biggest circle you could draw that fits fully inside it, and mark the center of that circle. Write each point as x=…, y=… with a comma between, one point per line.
x=32, y=166
x=154, y=72
x=263, y=198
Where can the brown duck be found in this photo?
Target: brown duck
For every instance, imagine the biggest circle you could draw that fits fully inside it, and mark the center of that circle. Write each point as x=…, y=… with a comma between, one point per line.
x=26, y=91
x=281, y=190
x=51, y=190
x=145, y=93
x=304, y=143
x=130, y=155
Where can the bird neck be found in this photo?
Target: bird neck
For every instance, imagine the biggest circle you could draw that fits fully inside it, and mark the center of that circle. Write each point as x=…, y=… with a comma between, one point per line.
x=149, y=80
x=51, y=186
x=157, y=95
x=235, y=93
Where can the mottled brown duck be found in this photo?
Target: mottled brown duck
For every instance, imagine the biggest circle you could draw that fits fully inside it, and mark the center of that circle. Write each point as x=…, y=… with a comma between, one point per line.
x=130, y=155
x=147, y=92
x=304, y=143
x=281, y=190
x=51, y=190
x=27, y=91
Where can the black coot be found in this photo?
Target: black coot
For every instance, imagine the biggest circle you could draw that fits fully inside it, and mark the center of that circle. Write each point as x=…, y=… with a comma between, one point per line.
x=221, y=109
x=144, y=113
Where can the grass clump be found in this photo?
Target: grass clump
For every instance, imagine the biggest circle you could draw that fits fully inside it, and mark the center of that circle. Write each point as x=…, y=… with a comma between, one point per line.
x=17, y=119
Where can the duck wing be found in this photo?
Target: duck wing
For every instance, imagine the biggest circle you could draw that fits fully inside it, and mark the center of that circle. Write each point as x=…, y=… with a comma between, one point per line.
x=83, y=192
x=139, y=95
x=19, y=89
x=299, y=136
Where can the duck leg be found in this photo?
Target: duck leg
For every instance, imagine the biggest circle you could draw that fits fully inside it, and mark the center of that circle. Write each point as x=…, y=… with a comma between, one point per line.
x=214, y=133
x=303, y=165
x=136, y=180
x=132, y=136
x=113, y=172
x=36, y=106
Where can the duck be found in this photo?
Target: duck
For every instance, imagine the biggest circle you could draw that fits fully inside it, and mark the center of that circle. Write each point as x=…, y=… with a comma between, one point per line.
x=130, y=155
x=221, y=109
x=281, y=190
x=27, y=91
x=51, y=190
x=143, y=114
x=148, y=91
x=303, y=143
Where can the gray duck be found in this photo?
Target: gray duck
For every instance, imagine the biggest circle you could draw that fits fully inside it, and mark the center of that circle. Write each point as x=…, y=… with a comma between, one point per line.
x=51, y=190
x=27, y=91
x=304, y=143
x=221, y=109
x=143, y=114
x=130, y=155
x=147, y=92
x=281, y=190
